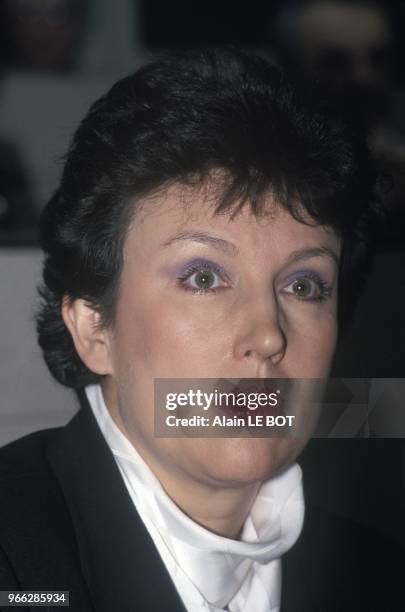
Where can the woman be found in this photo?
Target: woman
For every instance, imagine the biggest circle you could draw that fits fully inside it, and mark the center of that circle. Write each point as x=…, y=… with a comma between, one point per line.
x=205, y=216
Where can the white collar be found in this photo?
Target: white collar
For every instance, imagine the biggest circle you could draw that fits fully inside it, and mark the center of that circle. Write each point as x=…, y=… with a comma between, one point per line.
x=217, y=566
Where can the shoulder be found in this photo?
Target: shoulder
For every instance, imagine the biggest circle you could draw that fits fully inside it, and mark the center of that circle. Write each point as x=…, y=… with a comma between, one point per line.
x=24, y=453
x=323, y=528
x=28, y=488
x=24, y=469
x=360, y=567
x=35, y=525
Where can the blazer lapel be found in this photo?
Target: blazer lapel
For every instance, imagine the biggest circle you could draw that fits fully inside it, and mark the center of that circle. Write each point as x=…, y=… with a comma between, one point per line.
x=119, y=560
x=295, y=592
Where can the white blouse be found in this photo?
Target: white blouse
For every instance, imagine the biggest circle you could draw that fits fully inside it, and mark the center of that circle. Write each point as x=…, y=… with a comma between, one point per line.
x=211, y=572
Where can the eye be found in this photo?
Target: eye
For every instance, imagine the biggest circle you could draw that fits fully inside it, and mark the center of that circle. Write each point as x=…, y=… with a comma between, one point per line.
x=202, y=278
x=309, y=287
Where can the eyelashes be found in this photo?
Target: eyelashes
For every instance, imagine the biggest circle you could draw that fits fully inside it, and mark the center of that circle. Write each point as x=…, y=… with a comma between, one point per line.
x=205, y=277
x=308, y=286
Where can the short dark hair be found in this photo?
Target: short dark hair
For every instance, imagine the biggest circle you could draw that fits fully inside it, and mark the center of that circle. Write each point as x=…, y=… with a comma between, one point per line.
x=177, y=120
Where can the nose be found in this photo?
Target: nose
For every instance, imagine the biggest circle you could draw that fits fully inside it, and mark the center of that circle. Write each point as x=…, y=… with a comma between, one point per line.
x=261, y=337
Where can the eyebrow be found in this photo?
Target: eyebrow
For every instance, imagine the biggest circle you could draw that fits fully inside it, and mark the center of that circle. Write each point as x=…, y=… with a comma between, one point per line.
x=232, y=249
x=308, y=253
x=203, y=238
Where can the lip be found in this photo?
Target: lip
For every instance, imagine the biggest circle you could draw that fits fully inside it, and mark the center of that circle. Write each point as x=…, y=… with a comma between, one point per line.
x=255, y=386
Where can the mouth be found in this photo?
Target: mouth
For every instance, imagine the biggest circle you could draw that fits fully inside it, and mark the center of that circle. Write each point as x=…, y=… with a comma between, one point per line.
x=264, y=396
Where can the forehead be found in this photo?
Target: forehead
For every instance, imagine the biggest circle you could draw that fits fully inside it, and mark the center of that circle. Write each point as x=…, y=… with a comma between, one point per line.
x=178, y=213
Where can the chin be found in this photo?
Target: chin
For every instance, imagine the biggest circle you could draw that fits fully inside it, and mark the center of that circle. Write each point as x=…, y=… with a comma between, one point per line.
x=250, y=460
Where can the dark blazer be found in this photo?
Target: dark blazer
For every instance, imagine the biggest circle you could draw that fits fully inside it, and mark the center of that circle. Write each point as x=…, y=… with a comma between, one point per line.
x=68, y=523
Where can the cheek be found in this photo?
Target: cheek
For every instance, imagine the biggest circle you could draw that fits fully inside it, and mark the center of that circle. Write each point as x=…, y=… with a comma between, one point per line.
x=311, y=347
x=161, y=339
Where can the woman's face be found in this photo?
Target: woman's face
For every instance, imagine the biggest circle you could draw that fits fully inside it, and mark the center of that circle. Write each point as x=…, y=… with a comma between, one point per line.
x=204, y=296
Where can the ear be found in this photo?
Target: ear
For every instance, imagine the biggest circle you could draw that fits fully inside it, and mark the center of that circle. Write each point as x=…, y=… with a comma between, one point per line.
x=90, y=339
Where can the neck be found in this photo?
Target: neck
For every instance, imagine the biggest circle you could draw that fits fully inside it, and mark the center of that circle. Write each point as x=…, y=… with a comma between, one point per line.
x=220, y=509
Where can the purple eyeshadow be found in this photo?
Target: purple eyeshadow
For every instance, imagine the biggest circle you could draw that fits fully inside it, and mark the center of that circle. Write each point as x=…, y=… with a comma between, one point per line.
x=190, y=266
x=314, y=275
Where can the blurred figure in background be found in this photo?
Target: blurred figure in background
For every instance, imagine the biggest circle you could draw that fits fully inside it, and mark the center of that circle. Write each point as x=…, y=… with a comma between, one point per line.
x=57, y=57
x=349, y=46
x=44, y=34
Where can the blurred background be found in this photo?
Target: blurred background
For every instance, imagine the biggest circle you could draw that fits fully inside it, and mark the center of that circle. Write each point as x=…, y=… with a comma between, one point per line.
x=58, y=56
